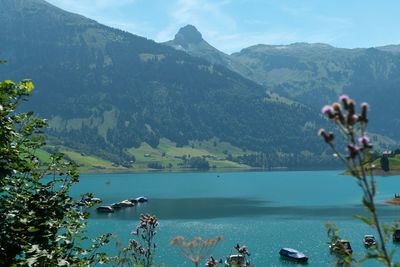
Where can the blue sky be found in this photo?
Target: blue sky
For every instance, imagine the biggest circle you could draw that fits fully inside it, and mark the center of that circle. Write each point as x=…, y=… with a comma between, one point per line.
x=231, y=25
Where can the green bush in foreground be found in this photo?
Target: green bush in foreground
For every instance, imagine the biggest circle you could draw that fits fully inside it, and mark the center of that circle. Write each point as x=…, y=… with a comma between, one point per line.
x=40, y=224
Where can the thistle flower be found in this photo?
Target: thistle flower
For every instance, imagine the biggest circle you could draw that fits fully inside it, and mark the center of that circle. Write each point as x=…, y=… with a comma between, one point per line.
x=328, y=136
x=351, y=107
x=242, y=250
x=344, y=98
x=351, y=120
x=353, y=151
x=328, y=111
x=363, y=116
x=364, y=142
x=212, y=262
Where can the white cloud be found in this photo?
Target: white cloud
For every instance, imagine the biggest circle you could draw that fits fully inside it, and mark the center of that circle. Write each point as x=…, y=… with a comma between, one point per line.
x=207, y=15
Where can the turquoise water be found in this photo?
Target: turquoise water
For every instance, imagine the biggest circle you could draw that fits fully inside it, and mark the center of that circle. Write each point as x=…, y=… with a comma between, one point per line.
x=262, y=210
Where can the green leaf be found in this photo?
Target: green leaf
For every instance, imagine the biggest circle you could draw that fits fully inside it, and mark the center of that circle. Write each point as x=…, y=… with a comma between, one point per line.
x=364, y=219
x=32, y=229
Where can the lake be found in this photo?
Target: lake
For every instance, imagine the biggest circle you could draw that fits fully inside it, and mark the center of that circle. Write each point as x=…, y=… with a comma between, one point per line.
x=263, y=210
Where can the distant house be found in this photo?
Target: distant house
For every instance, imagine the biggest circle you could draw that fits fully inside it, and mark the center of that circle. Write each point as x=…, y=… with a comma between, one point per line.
x=147, y=155
x=387, y=153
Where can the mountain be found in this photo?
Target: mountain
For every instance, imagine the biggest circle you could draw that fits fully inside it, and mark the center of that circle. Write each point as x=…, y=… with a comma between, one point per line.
x=106, y=91
x=316, y=74
x=190, y=40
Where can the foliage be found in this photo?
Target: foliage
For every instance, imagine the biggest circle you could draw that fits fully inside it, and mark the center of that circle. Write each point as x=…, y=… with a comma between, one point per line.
x=197, y=249
x=343, y=258
x=40, y=224
x=385, y=163
x=155, y=165
x=358, y=160
x=141, y=251
x=199, y=163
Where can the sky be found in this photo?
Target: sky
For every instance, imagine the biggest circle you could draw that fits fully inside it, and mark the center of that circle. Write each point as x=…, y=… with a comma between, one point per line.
x=231, y=25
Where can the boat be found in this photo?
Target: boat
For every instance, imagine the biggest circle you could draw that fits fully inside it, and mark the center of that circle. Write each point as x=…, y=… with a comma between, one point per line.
x=341, y=246
x=292, y=254
x=369, y=241
x=126, y=203
x=236, y=261
x=141, y=199
x=116, y=205
x=396, y=235
x=88, y=200
x=105, y=209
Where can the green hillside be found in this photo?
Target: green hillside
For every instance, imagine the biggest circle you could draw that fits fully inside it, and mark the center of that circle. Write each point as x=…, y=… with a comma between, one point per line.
x=166, y=154
x=316, y=74
x=105, y=91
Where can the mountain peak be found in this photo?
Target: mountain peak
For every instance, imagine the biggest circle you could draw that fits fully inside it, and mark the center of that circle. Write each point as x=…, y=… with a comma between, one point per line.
x=188, y=35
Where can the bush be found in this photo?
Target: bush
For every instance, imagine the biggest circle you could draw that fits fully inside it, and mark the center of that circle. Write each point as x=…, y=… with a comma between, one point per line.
x=40, y=224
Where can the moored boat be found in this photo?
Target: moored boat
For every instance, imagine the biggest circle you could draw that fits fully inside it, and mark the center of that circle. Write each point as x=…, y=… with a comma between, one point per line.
x=116, y=205
x=369, y=241
x=126, y=203
x=141, y=199
x=396, y=235
x=88, y=200
x=236, y=261
x=292, y=254
x=341, y=246
x=105, y=209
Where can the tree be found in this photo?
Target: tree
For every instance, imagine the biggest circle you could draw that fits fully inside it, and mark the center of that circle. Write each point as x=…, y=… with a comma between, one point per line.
x=40, y=224
x=199, y=163
x=385, y=163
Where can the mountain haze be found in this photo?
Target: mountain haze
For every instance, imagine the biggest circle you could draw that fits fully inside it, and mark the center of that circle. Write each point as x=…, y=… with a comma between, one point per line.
x=105, y=91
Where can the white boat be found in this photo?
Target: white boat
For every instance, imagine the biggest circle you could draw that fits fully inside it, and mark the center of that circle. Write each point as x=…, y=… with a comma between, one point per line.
x=369, y=240
x=292, y=254
x=116, y=205
x=141, y=199
x=126, y=203
x=105, y=209
x=236, y=261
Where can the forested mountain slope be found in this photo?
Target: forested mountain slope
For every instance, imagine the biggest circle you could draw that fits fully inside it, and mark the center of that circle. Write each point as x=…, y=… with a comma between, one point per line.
x=316, y=74
x=105, y=90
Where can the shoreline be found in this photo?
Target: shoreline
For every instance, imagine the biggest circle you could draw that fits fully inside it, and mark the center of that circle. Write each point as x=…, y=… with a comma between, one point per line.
x=377, y=172
x=231, y=169
x=394, y=201
x=388, y=173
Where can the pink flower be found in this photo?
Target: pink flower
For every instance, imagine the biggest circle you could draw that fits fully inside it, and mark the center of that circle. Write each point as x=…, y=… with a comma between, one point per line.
x=327, y=110
x=344, y=98
x=363, y=140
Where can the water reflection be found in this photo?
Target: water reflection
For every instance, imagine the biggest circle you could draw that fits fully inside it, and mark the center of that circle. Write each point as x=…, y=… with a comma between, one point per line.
x=208, y=208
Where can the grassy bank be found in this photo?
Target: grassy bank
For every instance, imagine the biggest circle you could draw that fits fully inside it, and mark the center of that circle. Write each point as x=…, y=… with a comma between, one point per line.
x=167, y=156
